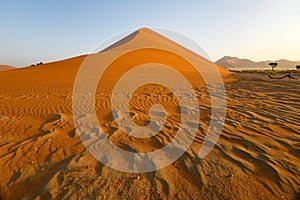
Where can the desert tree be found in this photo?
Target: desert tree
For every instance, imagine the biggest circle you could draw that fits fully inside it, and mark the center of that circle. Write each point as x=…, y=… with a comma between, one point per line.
x=298, y=67
x=273, y=65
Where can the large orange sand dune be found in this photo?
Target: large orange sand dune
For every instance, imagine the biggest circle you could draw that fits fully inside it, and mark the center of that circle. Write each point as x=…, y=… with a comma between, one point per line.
x=42, y=157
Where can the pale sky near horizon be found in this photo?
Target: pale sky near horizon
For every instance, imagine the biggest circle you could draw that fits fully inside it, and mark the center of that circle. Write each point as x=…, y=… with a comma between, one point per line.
x=38, y=30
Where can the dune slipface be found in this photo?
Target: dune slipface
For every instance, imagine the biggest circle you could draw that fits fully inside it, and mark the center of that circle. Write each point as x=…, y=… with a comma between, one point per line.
x=42, y=156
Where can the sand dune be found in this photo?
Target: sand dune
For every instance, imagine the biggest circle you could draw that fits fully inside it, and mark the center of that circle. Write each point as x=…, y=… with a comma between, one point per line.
x=42, y=156
x=6, y=67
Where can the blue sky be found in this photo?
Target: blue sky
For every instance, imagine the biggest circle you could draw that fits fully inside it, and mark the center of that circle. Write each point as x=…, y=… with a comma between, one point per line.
x=40, y=30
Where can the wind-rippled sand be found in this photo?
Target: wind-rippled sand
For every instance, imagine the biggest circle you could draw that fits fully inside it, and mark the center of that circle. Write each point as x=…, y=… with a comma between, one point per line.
x=256, y=157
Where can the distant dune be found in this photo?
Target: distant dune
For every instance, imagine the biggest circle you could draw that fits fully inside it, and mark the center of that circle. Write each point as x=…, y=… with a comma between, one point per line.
x=237, y=63
x=6, y=67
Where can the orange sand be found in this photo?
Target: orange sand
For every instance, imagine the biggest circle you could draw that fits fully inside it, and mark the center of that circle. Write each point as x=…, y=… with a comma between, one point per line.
x=42, y=157
x=6, y=67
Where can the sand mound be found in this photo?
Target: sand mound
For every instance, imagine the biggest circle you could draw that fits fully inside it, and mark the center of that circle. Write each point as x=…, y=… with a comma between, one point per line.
x=6, y=67
x=42, y=156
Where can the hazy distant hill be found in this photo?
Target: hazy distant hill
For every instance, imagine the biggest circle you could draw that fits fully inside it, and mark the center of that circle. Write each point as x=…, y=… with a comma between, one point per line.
x=237, y=63
x=6, y=67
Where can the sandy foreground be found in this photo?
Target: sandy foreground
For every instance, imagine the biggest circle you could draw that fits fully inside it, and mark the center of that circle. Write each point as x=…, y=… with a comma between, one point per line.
x=42, y=156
